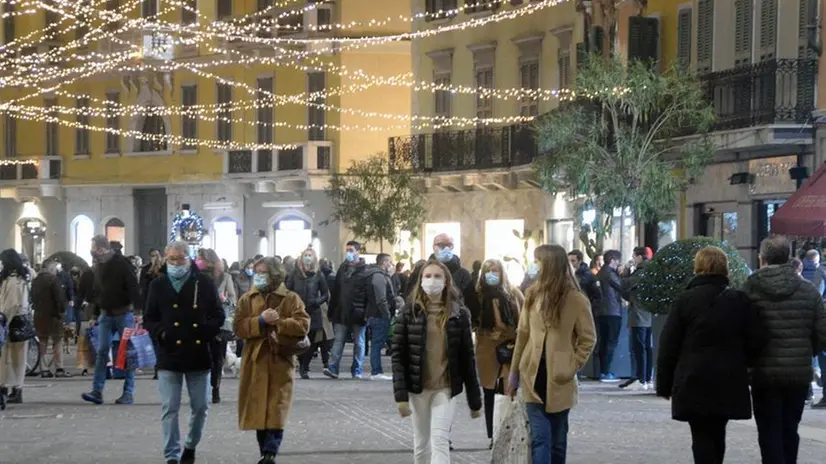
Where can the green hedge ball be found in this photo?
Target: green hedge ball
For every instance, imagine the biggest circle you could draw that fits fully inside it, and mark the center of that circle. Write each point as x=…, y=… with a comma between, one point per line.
x=672, y=268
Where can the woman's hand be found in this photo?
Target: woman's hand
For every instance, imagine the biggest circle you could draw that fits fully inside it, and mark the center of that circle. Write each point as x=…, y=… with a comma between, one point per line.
x=270, y=316
x=404, y=409
x=513, y=385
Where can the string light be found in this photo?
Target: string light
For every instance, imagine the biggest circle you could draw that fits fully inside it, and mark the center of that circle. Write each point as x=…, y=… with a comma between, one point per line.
x=10, y=162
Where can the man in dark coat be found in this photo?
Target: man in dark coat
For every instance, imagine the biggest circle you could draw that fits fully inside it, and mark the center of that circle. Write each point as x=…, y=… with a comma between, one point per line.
x=791, y=310
x=610, y=315
x=345, y=320
x=49, y=304
x=639, y=323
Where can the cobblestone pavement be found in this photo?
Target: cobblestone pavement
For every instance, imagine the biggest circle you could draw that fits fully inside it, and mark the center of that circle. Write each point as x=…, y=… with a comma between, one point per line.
x=345, y=421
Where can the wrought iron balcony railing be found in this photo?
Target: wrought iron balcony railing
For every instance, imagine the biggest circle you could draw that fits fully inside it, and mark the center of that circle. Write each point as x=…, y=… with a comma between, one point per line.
x=769, y=92
x=464, y=150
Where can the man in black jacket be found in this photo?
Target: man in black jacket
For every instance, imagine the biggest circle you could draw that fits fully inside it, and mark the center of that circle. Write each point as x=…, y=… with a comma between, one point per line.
x=639, y=323
x=791, y=311
x=375, y=293
x=587, y=280
x=610, y=315
x=462, y=280
x=341, y=313
x=115, y=293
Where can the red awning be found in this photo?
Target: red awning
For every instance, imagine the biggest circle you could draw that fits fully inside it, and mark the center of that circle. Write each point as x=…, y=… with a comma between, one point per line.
x=804, y=213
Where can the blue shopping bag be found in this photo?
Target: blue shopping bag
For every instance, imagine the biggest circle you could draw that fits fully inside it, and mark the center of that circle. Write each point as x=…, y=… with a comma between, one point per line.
x=140, y=354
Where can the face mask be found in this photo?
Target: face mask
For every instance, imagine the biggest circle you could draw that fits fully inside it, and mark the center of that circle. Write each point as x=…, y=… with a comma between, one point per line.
x=533, y=270
x=176, y=271
x=200, y=264
x=249, y=272
x=444, y=254
x=350, y=256
x=260, y=281
x=492, y=278
x=433, y=286
x=308, y=260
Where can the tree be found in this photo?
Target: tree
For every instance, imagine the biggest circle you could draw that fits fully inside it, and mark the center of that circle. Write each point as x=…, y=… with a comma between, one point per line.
x=610, y=142
x=668, y=273
x=374, y=202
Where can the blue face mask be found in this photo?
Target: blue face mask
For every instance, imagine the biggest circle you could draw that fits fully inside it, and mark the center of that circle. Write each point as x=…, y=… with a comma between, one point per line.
x=492, y=278
x=175, y=271
x=249, y=272
x=260, y=280
x=533, y=270
x=350, y=256
x=444, y=254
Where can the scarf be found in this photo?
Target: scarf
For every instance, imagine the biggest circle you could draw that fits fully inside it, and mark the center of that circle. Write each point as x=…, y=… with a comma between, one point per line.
x=178, y=284
x=487, y=320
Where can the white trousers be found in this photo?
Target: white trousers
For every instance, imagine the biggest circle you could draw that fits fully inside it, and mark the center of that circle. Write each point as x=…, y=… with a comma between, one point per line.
x=13, y=364
x=432, y=418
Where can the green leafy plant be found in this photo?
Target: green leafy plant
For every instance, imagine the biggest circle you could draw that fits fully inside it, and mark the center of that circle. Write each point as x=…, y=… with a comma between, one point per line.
x=668, y=273
x=610, y=146
x=374, y=202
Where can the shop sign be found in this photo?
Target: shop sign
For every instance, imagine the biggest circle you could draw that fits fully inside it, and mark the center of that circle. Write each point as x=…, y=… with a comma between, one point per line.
x=771, y=175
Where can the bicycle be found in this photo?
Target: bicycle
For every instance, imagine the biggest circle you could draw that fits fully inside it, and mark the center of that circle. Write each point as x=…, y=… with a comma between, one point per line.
x=33, y=357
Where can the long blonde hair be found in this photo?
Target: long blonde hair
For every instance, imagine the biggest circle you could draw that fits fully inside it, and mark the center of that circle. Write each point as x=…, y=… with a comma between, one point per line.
x=419, y=298
x=504, y=282
x=556, y=280
x=313, y=266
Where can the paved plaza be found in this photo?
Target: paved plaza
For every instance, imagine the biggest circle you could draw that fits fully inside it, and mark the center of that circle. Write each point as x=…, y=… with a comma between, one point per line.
x=345, y=421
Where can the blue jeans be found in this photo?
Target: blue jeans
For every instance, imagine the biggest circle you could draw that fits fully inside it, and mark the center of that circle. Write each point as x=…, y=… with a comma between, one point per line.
x=108, y=326
x=170, y=385
x=341, y=331
x=379, y=330
x=821, y=361
x=549, y=435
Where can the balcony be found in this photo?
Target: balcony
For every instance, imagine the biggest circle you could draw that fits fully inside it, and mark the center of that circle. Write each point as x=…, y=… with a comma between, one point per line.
x=280, y=167
x=780, y=91
x=44, y=174
x=465, y=150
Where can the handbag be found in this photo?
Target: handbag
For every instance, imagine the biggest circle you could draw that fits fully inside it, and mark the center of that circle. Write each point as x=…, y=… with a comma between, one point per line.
x=226, y=334
x=512, y=440
x=504, y=352
x=140, y=354
x=21, y=328
x=286, y=346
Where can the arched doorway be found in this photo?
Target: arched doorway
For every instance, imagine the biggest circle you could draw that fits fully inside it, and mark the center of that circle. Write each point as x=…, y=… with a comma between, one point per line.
x=82, y=230
x=32, y=232
x=115, y=231
x=225, y=240
x=293, y=234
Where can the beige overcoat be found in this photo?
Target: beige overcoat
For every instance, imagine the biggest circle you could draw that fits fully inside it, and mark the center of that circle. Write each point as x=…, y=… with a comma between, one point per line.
x=267, y=378
x=488, y=340
x=567, y=348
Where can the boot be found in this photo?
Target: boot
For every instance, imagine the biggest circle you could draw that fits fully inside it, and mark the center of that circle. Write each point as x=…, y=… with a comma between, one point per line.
x=3, y=392
x=16, y=396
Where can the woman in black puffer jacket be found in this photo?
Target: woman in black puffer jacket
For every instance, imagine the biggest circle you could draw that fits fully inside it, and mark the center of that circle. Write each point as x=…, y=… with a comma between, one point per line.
x=433, y=361
x=311, y=286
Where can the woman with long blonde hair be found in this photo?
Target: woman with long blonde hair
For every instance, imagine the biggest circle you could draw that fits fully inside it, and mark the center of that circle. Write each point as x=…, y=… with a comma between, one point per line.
x=554, y=340
x=433, y=362
x=500, y=304
x=311, y=286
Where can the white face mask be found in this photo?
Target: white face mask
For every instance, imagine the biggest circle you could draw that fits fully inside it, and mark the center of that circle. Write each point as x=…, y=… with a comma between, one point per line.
x=433, y=286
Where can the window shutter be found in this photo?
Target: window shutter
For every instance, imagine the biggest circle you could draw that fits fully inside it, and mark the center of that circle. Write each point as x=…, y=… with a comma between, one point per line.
x=743, y=20
x=643, y=38
x=768, y=29
x=705, y=35
x=595, y=40
x=581, y=55
x=684, y=38
x=806, y=26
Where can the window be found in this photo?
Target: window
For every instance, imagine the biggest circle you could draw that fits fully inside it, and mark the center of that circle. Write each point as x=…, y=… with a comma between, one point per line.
x=478, y=6
x=225, y=238
x=743, y=19
x=113, y=122
x=265, y=20
x=438, y=9
x=111, y=7
x=265, y=110
x=155, y=129
x=83, y=230
x=768, y=29
x=8, y=22
x=324, y=19
x=224, y=9
x=529, y=76
x=484, y=103
x=149, y=8
x=292, y=236
x=83, y=19
x=82, y=132
x=189, y=12
x=705, y=35
x=10, y=135
x=189, y=121
x=807, y=26
x=52, y=127
x=317, y=113
x=52, y=18
x=442, y=97
x=684, y=38
x=224, y=112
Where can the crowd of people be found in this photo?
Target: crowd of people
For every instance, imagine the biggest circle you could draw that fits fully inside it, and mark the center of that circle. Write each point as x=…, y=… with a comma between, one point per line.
x=453, y=331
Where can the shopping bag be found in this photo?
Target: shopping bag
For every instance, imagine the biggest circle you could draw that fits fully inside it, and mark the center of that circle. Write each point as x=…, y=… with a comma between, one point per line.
x=501, y=408
x=512, y=439
x=140, y=353
x=120, y=357
x=85, y=353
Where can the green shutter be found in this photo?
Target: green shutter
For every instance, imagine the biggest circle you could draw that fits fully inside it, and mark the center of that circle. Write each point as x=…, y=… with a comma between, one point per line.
x=684, y=39
x=581, y=55
x=595, y=40
x=643, y=39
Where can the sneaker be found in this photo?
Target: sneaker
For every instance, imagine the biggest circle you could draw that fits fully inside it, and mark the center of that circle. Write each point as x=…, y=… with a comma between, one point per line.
x=330, y=374
x=636, y=385
x=62, y=374
x=360, y=377
x=267, y=458
x=93, y=397
x=820, y=404
x=15, y=396
x=818, y=377
x=188, y=456
x=608, y=378
x=126, y=398
x=304, y=375
x=46, y=375
x=382, y=377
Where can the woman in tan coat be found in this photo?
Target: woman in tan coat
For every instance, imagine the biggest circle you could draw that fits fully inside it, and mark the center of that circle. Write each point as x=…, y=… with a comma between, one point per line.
x=555, y=337
x=500, y=304
x=268, y=311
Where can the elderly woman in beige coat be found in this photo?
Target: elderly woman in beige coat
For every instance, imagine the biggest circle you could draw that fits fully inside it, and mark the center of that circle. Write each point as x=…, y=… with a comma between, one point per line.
x=499, y=306
x=272, y=321
x=554, y=340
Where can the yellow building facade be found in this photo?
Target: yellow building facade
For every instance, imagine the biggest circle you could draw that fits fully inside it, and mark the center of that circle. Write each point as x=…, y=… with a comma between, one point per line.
x=240, y=121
